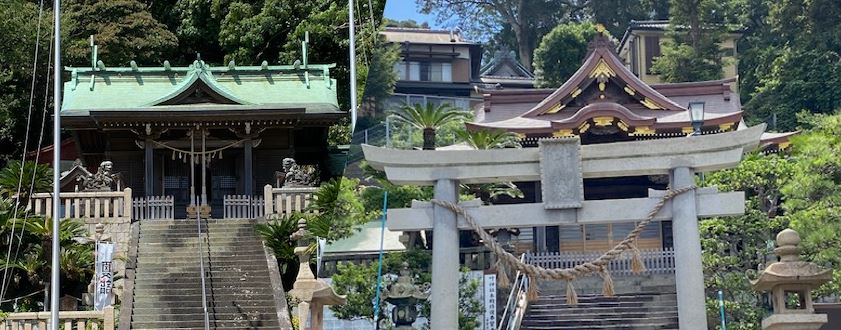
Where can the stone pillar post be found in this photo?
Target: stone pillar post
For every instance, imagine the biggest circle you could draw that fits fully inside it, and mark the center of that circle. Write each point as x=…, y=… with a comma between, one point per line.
x=445, y=264
x=149, y=173
x=689, y=273
x=247, y=173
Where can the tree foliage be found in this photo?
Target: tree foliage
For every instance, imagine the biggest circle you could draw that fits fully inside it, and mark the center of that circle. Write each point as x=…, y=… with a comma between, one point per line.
x=429, y=118
x=813, y=195
x=561, y=53
x=695, y=30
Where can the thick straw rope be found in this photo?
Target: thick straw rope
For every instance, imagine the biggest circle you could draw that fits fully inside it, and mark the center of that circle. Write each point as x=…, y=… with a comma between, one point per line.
x=599, y=265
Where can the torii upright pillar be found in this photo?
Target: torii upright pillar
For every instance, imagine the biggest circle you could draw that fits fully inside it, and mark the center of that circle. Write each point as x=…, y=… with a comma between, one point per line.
x=689, y=274
x=445, y=263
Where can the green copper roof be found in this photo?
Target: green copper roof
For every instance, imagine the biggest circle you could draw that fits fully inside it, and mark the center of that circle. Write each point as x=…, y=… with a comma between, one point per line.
x=160, y=88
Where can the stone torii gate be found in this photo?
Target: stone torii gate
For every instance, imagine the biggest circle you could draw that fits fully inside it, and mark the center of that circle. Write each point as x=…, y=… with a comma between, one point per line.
x=560, y=165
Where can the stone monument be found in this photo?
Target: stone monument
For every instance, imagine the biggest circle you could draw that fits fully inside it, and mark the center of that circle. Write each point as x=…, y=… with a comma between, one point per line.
x=791, y=282
x=311, y=294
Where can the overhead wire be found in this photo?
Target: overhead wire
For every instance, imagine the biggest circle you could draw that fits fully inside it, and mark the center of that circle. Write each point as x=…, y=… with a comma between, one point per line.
x=25, y=145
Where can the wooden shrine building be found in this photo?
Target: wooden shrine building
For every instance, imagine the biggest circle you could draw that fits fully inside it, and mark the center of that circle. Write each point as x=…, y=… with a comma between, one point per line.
x=604, y=102
x=157, y=125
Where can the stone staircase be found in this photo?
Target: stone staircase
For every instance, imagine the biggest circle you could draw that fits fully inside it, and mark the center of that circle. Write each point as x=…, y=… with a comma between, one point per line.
x=167, y=287
x=649, y=304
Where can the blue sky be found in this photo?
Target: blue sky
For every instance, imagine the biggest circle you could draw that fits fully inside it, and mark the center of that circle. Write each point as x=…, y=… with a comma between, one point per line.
x=399, y=10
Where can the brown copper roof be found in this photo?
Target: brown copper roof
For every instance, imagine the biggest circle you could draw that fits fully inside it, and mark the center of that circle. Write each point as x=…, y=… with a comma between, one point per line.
x=604, y=87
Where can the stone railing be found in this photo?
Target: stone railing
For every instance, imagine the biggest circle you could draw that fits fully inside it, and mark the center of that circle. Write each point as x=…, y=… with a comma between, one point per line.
x=283, y=201
x=657, y=261
x=93, y=207
x=243, y=207
x=97, y=320
x=153, y=208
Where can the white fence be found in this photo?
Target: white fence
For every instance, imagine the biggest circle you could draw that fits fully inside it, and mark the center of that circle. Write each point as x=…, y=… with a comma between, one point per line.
x=84, y=205
x=96, y=320
x=284, y=201
x=243, y=207
x=154, y=208
x=656, y=261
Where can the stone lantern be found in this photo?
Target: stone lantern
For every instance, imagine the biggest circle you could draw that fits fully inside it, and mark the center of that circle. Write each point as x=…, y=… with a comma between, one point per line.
x=791, y=281
x=312, y=294
x=405, y=296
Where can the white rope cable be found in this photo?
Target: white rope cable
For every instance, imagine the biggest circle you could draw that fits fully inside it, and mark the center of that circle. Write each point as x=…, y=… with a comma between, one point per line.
x=25, y=146
x=37, y=155
x=198, y=152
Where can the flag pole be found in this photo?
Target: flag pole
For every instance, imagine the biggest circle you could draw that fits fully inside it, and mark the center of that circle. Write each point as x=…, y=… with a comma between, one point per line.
x=55, y=286
x=353, y=104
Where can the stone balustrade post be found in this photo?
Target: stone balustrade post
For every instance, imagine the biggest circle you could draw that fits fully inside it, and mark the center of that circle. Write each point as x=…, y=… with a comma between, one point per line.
x=127, y=204
x=267, y=199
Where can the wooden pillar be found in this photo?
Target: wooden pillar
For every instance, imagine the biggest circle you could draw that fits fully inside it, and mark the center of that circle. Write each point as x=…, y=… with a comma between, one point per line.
x=247, y=169
x=149, y=174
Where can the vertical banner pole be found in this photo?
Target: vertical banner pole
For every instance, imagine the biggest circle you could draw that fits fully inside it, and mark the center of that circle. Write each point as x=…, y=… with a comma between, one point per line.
x=56, y=249
x=353, y=104
x=380, y=265
x=721, y=309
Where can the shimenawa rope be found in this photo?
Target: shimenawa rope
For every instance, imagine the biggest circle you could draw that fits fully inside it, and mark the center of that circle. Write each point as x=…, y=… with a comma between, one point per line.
x=597, y=266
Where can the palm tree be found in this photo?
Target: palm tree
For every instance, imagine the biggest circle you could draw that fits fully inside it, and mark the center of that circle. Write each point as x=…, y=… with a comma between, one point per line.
x=429, y=118
x=488, y=139
x=38, y=175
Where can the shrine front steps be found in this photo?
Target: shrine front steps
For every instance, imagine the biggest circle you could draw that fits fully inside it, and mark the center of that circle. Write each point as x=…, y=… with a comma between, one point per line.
x=641, y=302
x=168, y=290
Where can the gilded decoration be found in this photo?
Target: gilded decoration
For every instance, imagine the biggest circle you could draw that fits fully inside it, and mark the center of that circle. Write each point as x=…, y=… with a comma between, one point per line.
x=520, y=135
x=687, y=130
x=725, y=127
x=648, y=103
x=643, y=130
x=583, y=128
x=603, y=121
x=622, y=125
x=783, y=145
x=557, y=107
x=563, y=133
x=602, y=70
x=630, y=90
x=575, y=93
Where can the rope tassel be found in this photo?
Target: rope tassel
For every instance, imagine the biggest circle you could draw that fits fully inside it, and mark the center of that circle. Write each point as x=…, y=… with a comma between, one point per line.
x=637, y=266
x=607, y=285
x=572, y=297
x=532, y=294
x=502, y=276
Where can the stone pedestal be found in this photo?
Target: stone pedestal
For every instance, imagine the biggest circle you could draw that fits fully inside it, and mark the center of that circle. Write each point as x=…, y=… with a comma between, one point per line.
x=311, y=294
x=789, y=280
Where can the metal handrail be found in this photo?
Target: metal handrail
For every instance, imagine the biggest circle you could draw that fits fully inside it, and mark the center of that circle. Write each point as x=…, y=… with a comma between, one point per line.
x=520, y=285
x=201, y=265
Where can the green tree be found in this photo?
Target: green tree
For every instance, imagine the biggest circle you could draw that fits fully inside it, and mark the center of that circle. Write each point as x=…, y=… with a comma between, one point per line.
x=692, y=54
x=813, y=195
x=560, y=53
x=35, y=176
x=336, y=210
x=429, y=118
x=124, y=31
x=617, y=14
x=358, y=282
x=527, y=19
x=735, y=246
x=488, y=139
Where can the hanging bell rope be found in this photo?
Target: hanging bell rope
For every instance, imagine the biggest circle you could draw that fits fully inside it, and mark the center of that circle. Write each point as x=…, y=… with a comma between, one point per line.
x=596, y=266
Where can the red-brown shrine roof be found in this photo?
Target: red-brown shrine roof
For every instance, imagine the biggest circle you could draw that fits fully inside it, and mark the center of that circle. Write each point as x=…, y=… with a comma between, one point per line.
x=604, y=92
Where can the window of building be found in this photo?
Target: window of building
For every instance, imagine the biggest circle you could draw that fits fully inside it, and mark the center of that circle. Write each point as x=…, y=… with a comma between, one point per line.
x=424, y=71
x=652, y=51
